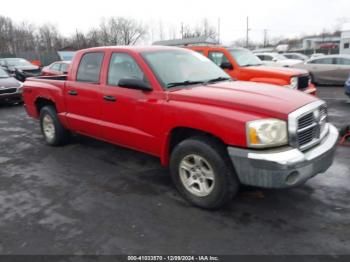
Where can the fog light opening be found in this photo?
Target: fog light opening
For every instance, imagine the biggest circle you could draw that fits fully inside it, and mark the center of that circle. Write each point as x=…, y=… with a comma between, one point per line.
x=292, y=178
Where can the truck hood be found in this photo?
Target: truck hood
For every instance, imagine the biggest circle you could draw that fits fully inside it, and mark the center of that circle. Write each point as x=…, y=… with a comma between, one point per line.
x=270, y=71
x=261, y=99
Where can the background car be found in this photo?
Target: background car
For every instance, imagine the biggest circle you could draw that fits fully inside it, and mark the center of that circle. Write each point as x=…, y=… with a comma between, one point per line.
x=56, y=68
x=328, y=70
x=10, y=88
x=275, y=59
x=20, y=68
x=347, y=87
x=316, y=55
x=296, y=56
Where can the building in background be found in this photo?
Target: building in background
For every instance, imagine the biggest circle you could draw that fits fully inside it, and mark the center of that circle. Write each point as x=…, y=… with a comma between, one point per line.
x=345, y=40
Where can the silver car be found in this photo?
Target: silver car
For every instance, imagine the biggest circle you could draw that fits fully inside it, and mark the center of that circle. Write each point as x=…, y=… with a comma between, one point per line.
x=328, y=70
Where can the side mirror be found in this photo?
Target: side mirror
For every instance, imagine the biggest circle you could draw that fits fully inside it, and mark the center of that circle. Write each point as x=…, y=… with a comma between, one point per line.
x=226, y=65
x=134, y=83
x=274, y=60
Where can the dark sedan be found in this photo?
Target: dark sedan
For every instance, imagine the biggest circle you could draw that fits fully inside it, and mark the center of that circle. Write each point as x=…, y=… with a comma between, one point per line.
x=20, y=68
x=10, y=88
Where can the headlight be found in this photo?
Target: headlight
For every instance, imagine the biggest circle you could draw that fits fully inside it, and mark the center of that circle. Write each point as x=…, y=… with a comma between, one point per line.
x=294, y=82
x=266, y=133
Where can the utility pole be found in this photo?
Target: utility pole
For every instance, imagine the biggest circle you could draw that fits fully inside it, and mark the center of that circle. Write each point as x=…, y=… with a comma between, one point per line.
x=219, y=25
x=265, y=38
x=182, y=30
x=248, y=29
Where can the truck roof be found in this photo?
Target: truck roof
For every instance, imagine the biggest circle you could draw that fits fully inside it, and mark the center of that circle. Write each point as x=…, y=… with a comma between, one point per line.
x=137, y=49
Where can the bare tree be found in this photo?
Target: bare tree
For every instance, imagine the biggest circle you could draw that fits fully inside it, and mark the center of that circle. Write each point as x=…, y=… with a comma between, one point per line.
x=204, y=28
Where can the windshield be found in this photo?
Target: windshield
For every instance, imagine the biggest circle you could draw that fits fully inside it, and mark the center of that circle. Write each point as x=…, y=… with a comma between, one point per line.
x=245, y=57
x=182, y=66
x=17, y=62
x=3, y=73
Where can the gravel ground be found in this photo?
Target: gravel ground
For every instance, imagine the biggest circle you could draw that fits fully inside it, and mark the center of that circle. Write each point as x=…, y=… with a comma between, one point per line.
x=94, y=198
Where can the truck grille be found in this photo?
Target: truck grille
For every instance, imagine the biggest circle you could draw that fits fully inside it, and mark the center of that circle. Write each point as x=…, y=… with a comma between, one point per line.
x=8, y=91
x=310, y=124
x=303, y=82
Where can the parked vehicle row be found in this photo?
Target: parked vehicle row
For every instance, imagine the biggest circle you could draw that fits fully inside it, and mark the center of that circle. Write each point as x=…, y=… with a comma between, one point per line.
x=20, y=68
x=276, y=59
x=214, y=133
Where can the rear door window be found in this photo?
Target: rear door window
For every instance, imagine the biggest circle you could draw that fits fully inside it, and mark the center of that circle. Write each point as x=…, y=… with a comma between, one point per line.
x=342, y=61
x=90, y=68
x=322, y=61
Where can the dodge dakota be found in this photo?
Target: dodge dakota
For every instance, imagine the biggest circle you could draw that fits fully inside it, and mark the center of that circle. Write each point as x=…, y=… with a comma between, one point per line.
x=213, y=133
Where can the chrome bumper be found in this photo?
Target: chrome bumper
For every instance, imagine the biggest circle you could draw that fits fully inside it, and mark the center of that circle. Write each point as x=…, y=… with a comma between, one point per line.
x=283, y=167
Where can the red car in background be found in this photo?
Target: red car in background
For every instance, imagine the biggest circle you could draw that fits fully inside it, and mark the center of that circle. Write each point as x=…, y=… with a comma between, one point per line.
x=56, y=68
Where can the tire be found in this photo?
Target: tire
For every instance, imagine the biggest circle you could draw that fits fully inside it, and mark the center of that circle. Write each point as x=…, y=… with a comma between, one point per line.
x=211, y=186
x=53, y=131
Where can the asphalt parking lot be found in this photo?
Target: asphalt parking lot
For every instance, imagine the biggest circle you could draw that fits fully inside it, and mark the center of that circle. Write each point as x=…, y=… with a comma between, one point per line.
x=94, y=198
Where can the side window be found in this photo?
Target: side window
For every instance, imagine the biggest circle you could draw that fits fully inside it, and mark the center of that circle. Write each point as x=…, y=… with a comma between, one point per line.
x=261, y=57
x=217, y=57
x=55, y=67
x=90, y=68
x=322, y=61
x=123, y=66
x=267, y=58
x=342, y=61
x=346, y=45
x=64, y=67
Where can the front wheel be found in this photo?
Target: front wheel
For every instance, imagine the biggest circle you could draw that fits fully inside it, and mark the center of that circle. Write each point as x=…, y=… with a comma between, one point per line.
x=53, y=131
x=203, y=173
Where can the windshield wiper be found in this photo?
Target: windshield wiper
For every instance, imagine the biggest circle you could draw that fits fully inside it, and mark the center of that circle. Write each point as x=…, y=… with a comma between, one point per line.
x=184, y=83
x=218, y=79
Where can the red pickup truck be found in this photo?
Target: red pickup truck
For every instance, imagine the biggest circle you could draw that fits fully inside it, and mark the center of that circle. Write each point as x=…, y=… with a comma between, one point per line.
x=173, y=103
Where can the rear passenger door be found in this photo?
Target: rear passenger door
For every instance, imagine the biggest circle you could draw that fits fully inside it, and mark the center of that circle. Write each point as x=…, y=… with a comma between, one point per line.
x=83, y=96
x=130, y=117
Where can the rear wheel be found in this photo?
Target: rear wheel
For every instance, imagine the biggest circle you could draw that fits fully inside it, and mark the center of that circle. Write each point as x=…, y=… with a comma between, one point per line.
x=52, y=129
x=203, y=173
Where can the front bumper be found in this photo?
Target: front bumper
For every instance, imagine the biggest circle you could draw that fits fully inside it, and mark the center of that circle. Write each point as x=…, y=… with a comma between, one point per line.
x=283, y=167
x=11, y=96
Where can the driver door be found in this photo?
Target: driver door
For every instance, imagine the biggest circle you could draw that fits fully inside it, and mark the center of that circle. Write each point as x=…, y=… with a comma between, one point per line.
x=130, y=117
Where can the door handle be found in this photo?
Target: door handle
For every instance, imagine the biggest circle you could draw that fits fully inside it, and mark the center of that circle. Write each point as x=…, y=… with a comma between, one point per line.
x=73, y=92
x=110, y=98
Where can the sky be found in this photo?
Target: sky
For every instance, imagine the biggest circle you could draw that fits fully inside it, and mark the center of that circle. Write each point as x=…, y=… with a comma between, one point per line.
x=279, y=17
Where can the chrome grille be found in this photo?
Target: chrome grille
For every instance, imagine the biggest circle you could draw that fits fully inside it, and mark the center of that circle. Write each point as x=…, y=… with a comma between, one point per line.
x=308, y=125
x=8, y=91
